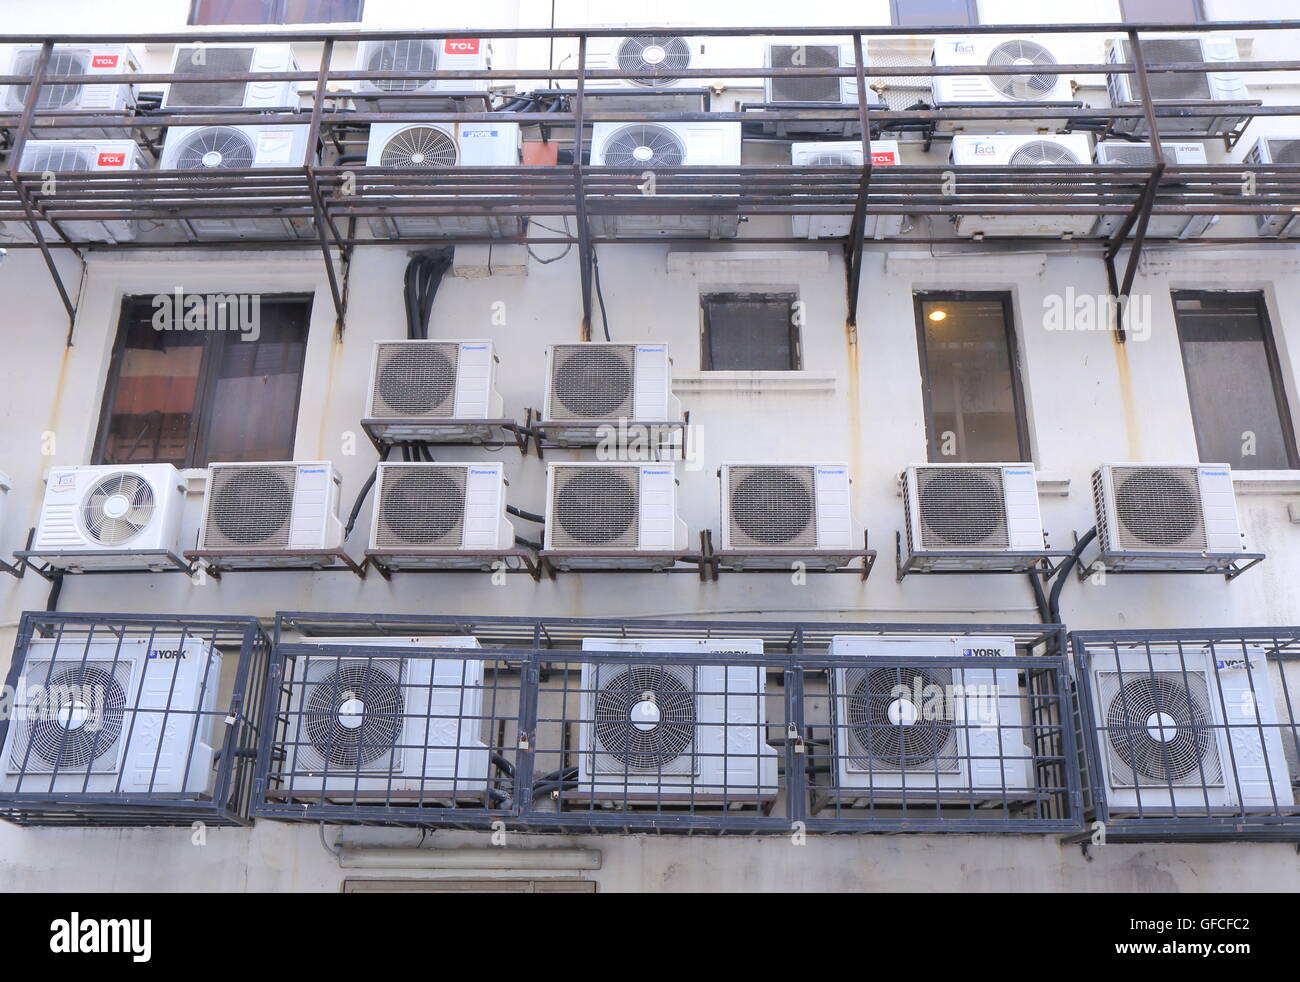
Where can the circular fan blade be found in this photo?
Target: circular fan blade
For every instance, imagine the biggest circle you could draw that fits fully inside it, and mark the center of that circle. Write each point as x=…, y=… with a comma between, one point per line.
x=117, y=508
x=419, y=146
x=221, y=147
x=1028, y=87
x=58, y=731
x=658, y=59
x=892, y=729
x=354, y=716
x=644, y=145
x=1159, y=728
x=645, y=717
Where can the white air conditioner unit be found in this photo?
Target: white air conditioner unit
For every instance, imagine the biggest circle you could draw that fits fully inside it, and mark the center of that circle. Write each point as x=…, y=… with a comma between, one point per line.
x=108, y=97
x=662, y=63
x=431, y=146
x=1164, y=226
x=1276, y=150
x=232, y=59
x=617, y=508
x=422, y=507
x=596, y=382
x=401, y=55
x=370, y=728
x=812, y=92
x=132, y=715
x=647, y=146
x=1173, y=511
x=74, y=156
x=111, y=516
x=917, y=728
x=1033, y=87
x=900, y=93
x=775, y=513
x=204, y=149
x=1064, y=150
x=1181, y=728
x=972, y=508
x=420, y=390
x=884, y=153
x=275, y=506
x=657, y=732
x=1179, y=88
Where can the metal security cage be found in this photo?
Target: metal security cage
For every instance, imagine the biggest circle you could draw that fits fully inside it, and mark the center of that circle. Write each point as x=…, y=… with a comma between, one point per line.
x=1189, y=735
x=622, y=725
x=132, y=720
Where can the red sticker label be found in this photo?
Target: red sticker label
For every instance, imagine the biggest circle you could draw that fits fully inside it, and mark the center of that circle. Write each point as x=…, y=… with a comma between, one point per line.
x=461, y=46
x=112, y=159
x=104, y=61
x=884, y=157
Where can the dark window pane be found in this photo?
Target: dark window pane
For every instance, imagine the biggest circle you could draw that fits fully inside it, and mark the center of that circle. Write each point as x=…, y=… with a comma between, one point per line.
x=217, y=12
x=1160, y=11
x=926, y=13
x=320, y=11
x=1238, y=406
x=970, y=387
x=749, y=331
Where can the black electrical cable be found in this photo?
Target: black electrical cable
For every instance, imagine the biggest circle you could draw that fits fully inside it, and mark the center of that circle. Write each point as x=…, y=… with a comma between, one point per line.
x=1063, y=573
x=361, y=495
x=521, y=541
x=424, y=275
x=527, y=516
x=600, y=294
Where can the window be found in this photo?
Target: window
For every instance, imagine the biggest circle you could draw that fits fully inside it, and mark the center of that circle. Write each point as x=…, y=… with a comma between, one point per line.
x=469, y=886
x=189, y=396
x=1234, y=383
x=974, y=407
x=1161, y=11
x=216, y=12
x=754, y=331
x=933, y=13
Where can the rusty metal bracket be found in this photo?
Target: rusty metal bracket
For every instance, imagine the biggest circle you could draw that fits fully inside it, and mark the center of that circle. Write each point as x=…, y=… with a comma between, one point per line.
x=853, y=248
x=580, y=192
x=338, y=292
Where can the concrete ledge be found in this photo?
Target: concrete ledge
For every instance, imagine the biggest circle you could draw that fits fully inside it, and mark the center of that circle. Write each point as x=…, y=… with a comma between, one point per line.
x=753, y=383
x=1266, y=482
x=748, y=266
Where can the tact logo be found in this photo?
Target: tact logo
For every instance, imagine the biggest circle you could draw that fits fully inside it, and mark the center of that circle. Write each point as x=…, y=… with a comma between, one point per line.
x=103, y=61
x=984, y=150
x=461, y=46
x=107, y=159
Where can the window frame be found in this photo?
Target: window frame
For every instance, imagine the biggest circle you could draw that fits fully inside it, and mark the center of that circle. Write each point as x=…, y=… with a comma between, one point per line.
x=788, y=297
x=277, y=16
x=919, y=298
x=205, y=394
x=1274, y=362
x=972, y=11
x=1199, y=6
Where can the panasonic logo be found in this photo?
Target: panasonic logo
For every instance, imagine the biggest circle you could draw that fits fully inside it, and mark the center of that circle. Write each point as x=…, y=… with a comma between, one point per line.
x=475, y=470
x=311, y=470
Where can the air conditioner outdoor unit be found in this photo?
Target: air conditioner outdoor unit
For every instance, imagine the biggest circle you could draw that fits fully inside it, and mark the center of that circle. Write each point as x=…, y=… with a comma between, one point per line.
x=420, y=390
x=403, y=55
x=431, y=146
x=73, y=156
x=1276, y=150
x=232, y=59
x=596, y=383
x=616, y=508
x=667, y=733
x=421, y=507
x=111, y=516
x=662, y=63
x=131, y=715
x=884, y=153
x=1162, y=226
x=203, y=149
x=1008, y=150
x=773, y=514
x=903, y=730
x=1181, y=728
x=1166, y=511
x=1179, y=88
x=648, y=146
x=813, y=92
x=364, y=727
x=972, y=508
x=108, y=97
x=1035, y=86
x=902, y=92
x=274, y=506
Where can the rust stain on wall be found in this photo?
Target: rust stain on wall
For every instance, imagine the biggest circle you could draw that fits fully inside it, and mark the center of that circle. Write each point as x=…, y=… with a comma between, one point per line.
x=1124, y=375
x=336, y=355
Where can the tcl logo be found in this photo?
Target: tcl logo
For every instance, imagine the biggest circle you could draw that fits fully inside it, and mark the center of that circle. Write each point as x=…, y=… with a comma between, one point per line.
x=103, y=61
x=111, y=159
x=884, y=157
x=461, y=46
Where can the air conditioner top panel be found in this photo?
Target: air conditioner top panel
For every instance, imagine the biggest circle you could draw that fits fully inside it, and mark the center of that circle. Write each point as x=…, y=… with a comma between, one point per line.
x=689, y=646
x=386, y=641
x=963, y=645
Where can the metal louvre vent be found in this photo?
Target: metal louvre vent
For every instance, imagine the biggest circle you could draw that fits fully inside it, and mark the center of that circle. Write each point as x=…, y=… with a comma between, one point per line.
x=59, y=158
x=1159, y=730
x=832, y=158
x=421, y=506
x=899, y=92
x=419, y=146
x=352, y=715
x=415, y=380
x=57, y=96
x=210, y=61
x=772, y=507
x=595, y=507
x=798, y=89
x=644, y=145
x=592, y=381
x=899, y=719
x=74, y=717
x=403, y=56
x=1130, y=153
x=1158, y=508
x=1172, y=85
x=1284, y=151
x=644, y=719
x=249, y=507
x=221, y=147
x=1030, y=87
x=658, y=59
x=118, y=508
x=961, y=507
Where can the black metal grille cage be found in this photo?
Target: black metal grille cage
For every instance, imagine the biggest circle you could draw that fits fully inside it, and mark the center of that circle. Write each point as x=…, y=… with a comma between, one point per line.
x=249, y=506
x=570, y=724
x=1189, y=734
x=594, y=507
x=414, y=378
x=961, y=508
x=140, y=720
x=421, y=506
x=771, y=507
x=804, y=89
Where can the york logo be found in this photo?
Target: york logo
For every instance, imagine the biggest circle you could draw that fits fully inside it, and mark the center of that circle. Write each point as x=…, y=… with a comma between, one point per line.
x=168, y=654
x=103, y=61
x=981, y=652
x=111, y=159
x=102, y=936
x=1229, y=664
x=461, y=46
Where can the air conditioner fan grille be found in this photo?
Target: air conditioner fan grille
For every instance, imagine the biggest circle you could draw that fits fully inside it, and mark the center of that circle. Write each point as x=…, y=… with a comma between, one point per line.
x=900, y=719
x=592, y=381
x=421, y=506
x=772, y=507
x=961, y=508
x=595, y=507
x=415, y=379
x=74, y=718
x=1158, y=508
x=644, y=719
x=1159, y=729
x=249, y=507
x=658, y=60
